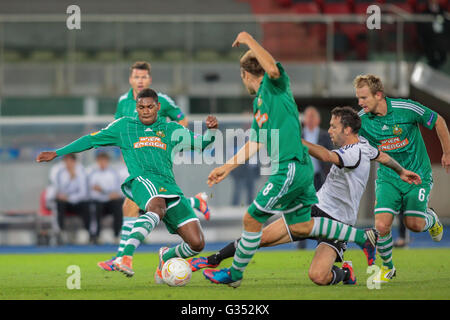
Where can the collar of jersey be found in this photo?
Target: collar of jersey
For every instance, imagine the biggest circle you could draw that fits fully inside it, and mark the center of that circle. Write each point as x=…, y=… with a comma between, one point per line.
x=130, y=95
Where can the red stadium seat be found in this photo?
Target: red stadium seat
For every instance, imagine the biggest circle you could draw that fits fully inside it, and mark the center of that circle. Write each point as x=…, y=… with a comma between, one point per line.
x=336, y=7
x=309, y=7
x=405, y=5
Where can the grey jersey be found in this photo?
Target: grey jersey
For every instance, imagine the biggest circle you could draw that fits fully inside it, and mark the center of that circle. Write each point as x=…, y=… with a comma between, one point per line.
x=344, y=186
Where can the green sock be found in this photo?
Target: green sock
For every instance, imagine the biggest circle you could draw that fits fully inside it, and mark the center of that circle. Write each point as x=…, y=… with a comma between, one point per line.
x=182, y=250
x=127, y=226
x=245, y=251
x=384, y=248
x=430, y=220
x=335, y=230
x=141, y=229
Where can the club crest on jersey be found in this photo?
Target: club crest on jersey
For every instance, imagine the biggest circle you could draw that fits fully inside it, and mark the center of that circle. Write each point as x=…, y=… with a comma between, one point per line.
x=150, y=142
x=261, y=118
x=259, y=101
x=160, y=134
x=397, y=130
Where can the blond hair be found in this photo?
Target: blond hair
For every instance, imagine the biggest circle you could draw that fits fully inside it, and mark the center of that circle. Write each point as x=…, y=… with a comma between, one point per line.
x=373, y=82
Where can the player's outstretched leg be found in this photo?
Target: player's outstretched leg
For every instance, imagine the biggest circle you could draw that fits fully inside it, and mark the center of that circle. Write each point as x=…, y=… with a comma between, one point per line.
x=215, y=259
x=335, y=230
x=247, y=247
x=141, y=229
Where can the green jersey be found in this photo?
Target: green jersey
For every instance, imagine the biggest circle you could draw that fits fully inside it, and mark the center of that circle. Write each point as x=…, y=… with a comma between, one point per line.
x=126, y=107
x=276, y=120
x=398, y=134
x=147, y=150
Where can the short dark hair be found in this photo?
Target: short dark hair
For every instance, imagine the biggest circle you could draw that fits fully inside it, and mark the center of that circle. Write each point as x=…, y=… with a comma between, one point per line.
x=141, y=65
x=147, y=93
x=349, y=117
x=250, y=64
x=70, y=156
x=102, y=155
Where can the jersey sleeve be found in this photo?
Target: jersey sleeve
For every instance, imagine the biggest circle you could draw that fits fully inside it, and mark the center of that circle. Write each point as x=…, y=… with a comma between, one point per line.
x=372, y=152
x=279, y=84
x=349, y=157
x=108, y=136
x=105, y=137
x=424, y=115
x=169, y=108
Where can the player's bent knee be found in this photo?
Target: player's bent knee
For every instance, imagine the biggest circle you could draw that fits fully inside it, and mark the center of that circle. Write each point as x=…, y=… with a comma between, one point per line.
x=197, y=244
x=415, y=224
x=318, y=277
x=382, y=228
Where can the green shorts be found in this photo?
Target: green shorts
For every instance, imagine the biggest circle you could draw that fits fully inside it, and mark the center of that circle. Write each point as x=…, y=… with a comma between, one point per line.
x=143, y=189
x=412, y=201
x=289, y=192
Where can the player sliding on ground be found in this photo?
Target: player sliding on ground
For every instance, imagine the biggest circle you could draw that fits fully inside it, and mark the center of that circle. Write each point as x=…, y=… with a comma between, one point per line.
x=148, y=144
x=289, y=189
x=339, y=199
x=392, y=126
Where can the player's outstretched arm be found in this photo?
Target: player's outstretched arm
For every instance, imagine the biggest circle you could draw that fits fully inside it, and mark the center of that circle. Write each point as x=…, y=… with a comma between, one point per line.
x=444, y=138
x=406, y=175
x=245, y=153
x=266, y=60
x=321, y=153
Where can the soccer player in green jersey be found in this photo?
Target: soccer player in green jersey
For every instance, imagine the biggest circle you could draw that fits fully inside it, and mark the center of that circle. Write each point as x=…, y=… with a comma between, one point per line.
x=139, y=79
x=392, y=126
x=289, y=189
x=148, y=144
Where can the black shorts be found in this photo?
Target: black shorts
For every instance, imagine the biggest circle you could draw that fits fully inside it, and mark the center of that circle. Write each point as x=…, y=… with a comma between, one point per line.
x=337, y=245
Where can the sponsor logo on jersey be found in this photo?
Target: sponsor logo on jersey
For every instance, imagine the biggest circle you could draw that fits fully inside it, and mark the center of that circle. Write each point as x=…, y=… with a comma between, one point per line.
x=261, y=118
x=392, y=144
x=149, y=129
x=150, y=142
x=385, y=127
x=397, y=130
x=162, y=189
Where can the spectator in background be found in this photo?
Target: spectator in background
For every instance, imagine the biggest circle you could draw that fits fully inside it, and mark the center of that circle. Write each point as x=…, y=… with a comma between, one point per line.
x=312, y=133
x=434, y=36
x=69, y=188
x=105, y=194
x=245, y=175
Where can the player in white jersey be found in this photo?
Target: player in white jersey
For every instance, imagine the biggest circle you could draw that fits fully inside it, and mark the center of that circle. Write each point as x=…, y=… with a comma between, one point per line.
x=339, y=198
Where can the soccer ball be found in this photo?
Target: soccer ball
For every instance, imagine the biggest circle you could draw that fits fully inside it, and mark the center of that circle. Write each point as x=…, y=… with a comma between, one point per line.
x=176, y=272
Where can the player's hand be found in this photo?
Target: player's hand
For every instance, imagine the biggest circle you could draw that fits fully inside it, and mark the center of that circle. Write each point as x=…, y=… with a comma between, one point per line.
x=243, y=37
x=46, y=156
x=211, y=122
x=446, y=162
x=217, y=175
x=410, y=177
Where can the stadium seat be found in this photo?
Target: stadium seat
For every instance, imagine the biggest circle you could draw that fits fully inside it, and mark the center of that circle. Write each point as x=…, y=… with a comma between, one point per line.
x=404, y=5
x=336, y=7
x=284, y=3
x=360, y=6
x=306, y=7
x=207, y=56
x=139, y=55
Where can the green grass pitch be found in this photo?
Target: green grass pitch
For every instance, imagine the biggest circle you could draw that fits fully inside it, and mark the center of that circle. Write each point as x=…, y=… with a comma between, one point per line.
x=272, y=275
